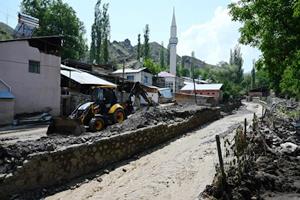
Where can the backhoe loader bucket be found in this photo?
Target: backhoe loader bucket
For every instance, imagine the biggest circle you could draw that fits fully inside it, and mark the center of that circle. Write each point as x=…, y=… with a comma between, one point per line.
x=65, y=126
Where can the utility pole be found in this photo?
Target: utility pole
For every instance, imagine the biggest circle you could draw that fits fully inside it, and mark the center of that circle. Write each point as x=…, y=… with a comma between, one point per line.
x=193, y=76
x=123, y=79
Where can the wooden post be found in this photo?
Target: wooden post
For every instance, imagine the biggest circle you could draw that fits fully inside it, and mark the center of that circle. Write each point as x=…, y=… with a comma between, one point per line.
x=221, y=161
x=245, y=126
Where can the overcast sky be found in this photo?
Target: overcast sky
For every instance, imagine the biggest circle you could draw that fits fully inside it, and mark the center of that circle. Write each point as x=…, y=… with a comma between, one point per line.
x=203, y=26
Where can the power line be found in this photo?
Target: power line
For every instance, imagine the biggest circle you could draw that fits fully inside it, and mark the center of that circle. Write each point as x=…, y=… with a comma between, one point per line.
x=7, y=13
x=19, y=62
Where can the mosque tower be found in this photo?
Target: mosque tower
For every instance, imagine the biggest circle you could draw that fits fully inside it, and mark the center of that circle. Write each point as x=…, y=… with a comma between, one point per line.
x=172, y=45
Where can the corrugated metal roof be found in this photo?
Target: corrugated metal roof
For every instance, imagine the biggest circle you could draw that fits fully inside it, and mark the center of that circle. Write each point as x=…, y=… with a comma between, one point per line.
x=129, y=70
x=6, y=95
x=83, y=78
x=214, y=86
x=165, y=74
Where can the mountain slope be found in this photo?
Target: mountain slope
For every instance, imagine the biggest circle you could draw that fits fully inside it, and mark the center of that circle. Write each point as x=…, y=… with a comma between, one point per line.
x=6, y=31
x=121, y=50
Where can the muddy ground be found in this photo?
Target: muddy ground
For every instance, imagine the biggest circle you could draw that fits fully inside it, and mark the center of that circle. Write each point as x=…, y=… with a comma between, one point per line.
x=179, y=169
x=268, y=166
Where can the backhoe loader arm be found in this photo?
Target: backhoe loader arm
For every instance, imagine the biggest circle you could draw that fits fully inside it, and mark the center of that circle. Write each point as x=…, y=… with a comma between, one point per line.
x=137, y=90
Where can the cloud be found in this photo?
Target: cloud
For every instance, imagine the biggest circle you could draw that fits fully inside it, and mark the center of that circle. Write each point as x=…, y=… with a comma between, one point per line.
x=213, y=40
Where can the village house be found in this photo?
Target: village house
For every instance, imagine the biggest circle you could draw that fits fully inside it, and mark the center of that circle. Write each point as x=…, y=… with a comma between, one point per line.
x=166, y=80
x=30, y=68
x=142, y=75
x=212, y=90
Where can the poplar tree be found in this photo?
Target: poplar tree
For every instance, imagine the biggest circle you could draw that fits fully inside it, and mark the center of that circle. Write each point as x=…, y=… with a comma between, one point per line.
x=237, y=60
x=139, y=47
x=253, y=76
x=106, y=33
x=162, y=56
x=146, y=47
x=100, y=34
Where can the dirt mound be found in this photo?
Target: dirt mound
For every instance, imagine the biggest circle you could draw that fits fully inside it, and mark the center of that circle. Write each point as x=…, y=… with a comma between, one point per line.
x=269, y=163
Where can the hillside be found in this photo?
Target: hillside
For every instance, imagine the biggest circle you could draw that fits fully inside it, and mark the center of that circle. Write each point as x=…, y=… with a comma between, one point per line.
x=124, y=49
x=6, y=31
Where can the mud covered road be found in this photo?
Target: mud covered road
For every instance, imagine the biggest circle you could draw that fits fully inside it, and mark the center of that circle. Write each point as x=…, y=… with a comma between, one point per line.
x=178, y=170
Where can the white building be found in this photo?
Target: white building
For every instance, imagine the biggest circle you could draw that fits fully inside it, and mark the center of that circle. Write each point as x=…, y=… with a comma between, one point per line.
x=141, y=75
x=166, y=80
x=31, y=69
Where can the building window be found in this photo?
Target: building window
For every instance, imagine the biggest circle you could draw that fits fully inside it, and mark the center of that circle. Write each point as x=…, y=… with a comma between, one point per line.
x=169, y=85
x=145, y=80
x=213, y=93
x=34, y=66
x=208, y=93
x=130, y=77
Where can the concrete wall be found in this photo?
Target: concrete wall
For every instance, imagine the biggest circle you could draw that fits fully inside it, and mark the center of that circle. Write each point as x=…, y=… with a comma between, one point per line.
x=217, y=94
x=6, y=111
x=150, y=76
x=139, y=77
x=34, y=92
x=51, y=168
x=183, y=98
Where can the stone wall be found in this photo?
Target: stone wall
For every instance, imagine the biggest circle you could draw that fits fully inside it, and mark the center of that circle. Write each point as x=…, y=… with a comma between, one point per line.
x=53, y=168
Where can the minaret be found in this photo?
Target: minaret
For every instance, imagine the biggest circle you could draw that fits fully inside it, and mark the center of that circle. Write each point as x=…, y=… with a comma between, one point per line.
x=172, y=45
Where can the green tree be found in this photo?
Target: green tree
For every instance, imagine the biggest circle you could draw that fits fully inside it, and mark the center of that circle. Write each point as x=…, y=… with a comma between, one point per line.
x=146, y=46
x=168, y=56
x=100, y=34
x=181, y=71
x=261, y=78
x=96, y=35
x=162, y=56
x=237, y=59
x=246, y=83
x=154, y=68
x=58, y=18
x=290, y=83
x=139, y=47
x=106, y=32
x=273, y=27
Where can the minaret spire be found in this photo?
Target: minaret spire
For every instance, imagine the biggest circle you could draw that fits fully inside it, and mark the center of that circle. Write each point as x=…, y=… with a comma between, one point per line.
x=173, y=19
x=173, y=25
x=172, y=46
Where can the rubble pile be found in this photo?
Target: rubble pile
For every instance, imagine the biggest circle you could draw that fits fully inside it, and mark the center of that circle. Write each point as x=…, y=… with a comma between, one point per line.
x=13, y=155
x=269, y=166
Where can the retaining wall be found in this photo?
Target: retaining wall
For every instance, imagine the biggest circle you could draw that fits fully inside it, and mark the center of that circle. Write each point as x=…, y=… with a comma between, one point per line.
x=53, y=168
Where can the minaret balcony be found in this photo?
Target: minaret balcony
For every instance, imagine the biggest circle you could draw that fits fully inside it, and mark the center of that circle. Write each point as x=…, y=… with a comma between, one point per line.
x=173, y=40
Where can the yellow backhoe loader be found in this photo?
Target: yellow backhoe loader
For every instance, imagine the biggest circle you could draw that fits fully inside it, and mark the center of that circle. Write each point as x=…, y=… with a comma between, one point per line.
x=96, y=115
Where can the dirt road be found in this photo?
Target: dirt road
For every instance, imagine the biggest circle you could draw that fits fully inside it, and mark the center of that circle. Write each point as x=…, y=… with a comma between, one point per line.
x=23, y=134
x=179, y=170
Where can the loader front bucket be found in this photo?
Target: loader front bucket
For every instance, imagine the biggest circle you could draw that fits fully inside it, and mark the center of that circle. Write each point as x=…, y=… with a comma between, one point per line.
x=65, y=126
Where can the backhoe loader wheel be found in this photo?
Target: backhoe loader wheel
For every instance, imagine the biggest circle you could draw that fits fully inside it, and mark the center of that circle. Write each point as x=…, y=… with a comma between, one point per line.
x=96, y=124
x=119, y=115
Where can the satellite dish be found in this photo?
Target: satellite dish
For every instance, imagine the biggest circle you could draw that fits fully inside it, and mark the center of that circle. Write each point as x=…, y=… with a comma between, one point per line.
x=26, y=26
